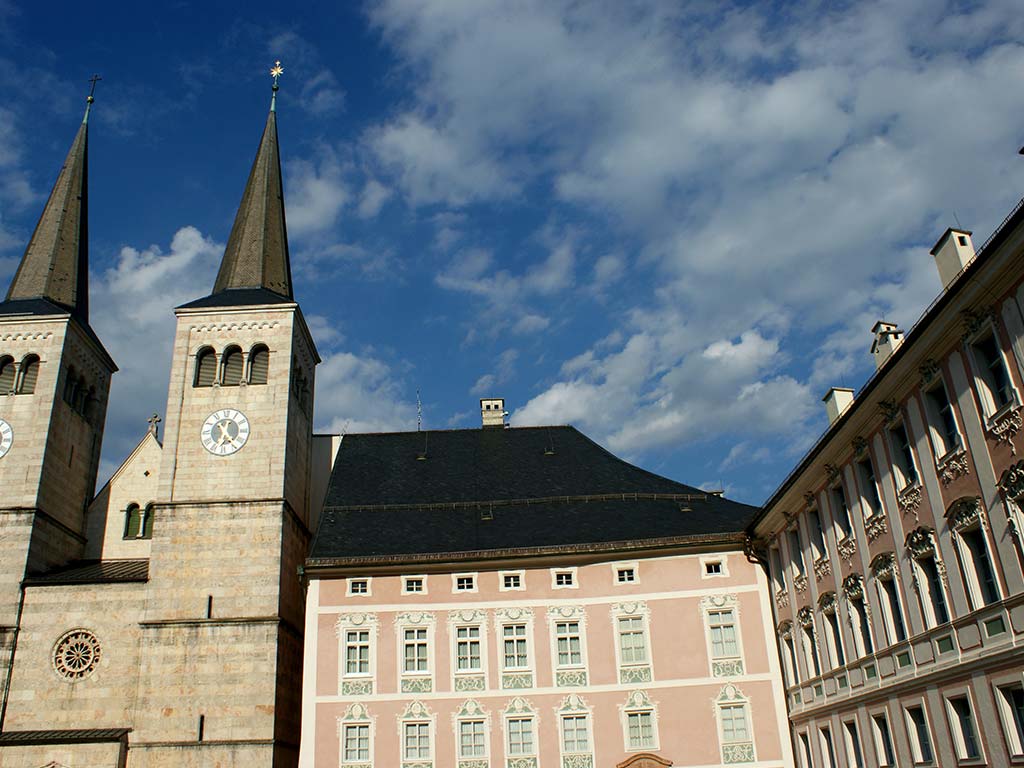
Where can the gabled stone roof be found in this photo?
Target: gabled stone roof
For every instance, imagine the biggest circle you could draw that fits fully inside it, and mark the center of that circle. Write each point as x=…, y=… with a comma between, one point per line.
x=93, y=572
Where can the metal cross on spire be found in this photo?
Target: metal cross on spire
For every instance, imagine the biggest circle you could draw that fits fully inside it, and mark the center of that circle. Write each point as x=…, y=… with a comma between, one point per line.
x=154, y=424
x=89, y=100
x=275, y=72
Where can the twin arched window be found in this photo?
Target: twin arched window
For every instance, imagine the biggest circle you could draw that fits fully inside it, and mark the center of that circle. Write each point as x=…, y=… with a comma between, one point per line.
x=138, y=522
x=19, y=380
x=78, y=394
x=233, y=367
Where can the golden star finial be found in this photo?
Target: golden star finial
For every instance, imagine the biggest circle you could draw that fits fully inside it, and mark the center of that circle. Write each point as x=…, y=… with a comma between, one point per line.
x=276, y=71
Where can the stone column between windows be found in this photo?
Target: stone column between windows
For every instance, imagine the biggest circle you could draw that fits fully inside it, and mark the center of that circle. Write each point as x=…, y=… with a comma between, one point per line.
x=857, y=524
x=947, y=549
x=995, y=511
x=806, y=670
x=885, y=479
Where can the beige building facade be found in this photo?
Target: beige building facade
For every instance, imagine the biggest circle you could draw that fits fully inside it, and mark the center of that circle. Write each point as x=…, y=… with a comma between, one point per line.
x=894, y=547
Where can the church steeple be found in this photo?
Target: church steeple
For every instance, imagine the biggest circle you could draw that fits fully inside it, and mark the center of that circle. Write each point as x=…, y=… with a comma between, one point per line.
x=257, y=252
x=56, y=263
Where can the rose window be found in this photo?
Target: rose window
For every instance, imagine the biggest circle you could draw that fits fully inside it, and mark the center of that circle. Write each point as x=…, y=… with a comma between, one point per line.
x=76, y=655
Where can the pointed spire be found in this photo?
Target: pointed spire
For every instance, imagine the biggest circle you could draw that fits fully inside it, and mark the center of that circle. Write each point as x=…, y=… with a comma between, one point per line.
x=257, y=252
x=56, y=263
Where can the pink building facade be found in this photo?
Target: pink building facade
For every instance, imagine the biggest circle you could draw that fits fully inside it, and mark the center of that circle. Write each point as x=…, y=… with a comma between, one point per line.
x=566, y=656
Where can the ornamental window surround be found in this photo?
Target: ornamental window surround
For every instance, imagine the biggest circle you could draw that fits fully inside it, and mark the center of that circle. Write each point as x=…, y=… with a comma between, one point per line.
x=840, y=511
x=991, y=373
x=796, y=552
x=853, y=589
x=809, y=645
x=942, y=426
x=574, y=728
x=904, y=468
x=734, y=727
x=472, y=732
x=357, y=651
x=884, y=570
x=817, y=534
x=789, y=665
x=929, y=576
x=466, y=628
x=520, y=725
x=828, y=606
x=1011, y=486
x=417, y=732
x=631, y=648
x=966, y=518
x=415, y=635
x=867, y=481
x=567, y=628
x=639, y=721
x=778, y=573
x=355, y=734
x=721, y=626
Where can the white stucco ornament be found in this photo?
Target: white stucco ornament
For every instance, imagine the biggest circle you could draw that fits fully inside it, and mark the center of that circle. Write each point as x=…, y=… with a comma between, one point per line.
x=225, y=432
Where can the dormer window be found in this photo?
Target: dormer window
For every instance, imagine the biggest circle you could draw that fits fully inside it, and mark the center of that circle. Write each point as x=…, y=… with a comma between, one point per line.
x=464, y=582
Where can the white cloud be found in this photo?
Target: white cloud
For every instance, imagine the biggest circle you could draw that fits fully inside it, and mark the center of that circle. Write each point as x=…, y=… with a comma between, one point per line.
x=361, y=394
x=504, y=370
x=372, y=199
x=317, y=192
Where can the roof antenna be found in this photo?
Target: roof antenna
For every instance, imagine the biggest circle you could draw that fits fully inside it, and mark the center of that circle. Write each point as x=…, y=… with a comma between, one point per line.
x=419, y=412
x=957, y=220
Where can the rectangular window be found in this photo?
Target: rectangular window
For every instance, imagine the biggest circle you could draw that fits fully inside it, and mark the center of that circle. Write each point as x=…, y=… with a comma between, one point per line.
x=933, y=596
x=569, y=644
x=883, y=741
x=471, y=739
x=792, y=668
x=862, y=630
x=871, y=502
x=962, y=725
x=917, y=731
x=828, y=750
x=1010, y=700
x=575, y=733
x=841, y=511
x=734, y=723
x=514, y=636
x=632, y=640
x=640, y=729
x=415, y=650
x=416, y=744
x=811, y=650
x=520, y=736
x=467, y=649
x=564, y=579
x=981, y=565
x=835, y=639
x=817, y=533
x=854, y=754
x=357, y=743
x=713, y=568
x=511, y=581
x=625, y=575
x=796, y=552
x=357, y=652
x=722, y=627
x=895, y=628
x=996, y=389
x=941, y=421
x=359, y=586
x=413, y=585
x=465, y=583
x=776, y=565
x=806, y=744
x=902, y=457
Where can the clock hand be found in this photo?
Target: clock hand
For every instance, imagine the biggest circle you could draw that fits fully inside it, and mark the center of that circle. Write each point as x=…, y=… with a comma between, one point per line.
x=221, y=425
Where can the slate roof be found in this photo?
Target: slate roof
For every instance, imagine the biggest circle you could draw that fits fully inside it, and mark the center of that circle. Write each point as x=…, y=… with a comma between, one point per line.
x=67, y=736
x=238, y=297
x=93, y=572
x=495, y=492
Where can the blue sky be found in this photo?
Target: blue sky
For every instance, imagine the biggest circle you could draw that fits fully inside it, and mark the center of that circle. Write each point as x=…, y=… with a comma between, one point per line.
x=669, y=224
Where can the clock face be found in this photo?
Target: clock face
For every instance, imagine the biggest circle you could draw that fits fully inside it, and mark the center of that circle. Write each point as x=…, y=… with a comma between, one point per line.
x=6, y=438
x=225, y=432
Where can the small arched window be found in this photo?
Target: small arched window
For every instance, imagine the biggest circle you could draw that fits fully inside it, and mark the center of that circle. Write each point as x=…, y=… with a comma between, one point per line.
x=7, y=375
x=259, y=364
x=70, y=383
x=81, y=395
x=234, y=366
x=146, y=529
x=206, y=368
x=29, y=375
x=132, y=521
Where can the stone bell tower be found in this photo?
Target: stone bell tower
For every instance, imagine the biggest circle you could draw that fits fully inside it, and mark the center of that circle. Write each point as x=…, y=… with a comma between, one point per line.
x=222, y=634
x=54, y=381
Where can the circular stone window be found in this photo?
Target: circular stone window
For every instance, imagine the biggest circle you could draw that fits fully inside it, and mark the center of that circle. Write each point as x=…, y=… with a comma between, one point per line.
x=76, y=654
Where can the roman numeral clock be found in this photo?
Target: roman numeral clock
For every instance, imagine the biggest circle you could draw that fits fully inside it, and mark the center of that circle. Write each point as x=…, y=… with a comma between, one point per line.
x=6, y=438
x=225, y=432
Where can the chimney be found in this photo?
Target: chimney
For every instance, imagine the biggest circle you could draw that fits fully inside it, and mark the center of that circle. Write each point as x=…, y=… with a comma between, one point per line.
x=952, y=253
x=837, y=400
x=887, y=338
x=492, y=409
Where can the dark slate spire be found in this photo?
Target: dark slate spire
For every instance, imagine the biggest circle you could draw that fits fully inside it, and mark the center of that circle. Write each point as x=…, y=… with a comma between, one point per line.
x=257, y=252
x=56, y=263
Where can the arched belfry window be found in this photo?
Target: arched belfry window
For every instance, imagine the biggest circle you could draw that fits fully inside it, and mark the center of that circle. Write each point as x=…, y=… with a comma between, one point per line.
x=70, y=385
x=259, y=364
x=146, y=528
x=29, y=375
x=206, y=368
x=132, y=521
x=7, y=372
x=234, y=366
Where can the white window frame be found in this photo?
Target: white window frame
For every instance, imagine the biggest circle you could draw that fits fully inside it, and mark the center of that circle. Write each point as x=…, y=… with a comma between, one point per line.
x=639, y=704
x=574, y=582
x=721, y=560
x=1013, y=737
x=420, y=718
x=866, y=506
x=968, y=567
x=344, y=743
x=423, y=582
x=888, y=618
x=470, y=618
x=501, y=581
x=806, y=758
x=581, y=634
x=347, y=643
x=912, y=734
x=877, y=737
x=520, y=710
x=860, y=625
x=471, y=712
x=455, y=583
x=640, y=612
x=356, y=716
x=721, y=604
x=959, y=742
x=574, y=707
x=926, y=595
x=901, y=481
x=748, y=724
x=415, y=621
x=356, y=622
x=516, y=638
x=853, y=743
x=834, y=638
x=828, y=761
x=936, y=427
x=617, y=567
x=469, y=640
x=982, y=385
x=352, y=580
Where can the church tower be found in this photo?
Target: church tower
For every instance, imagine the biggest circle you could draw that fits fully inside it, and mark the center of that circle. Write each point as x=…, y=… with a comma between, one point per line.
x=222, y=634
x=54, y=382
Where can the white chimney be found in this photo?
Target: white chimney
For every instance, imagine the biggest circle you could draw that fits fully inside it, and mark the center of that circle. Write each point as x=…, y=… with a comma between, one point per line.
x=492, y=410
x=952, y=253
x=837, y=400
x=887, y=338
